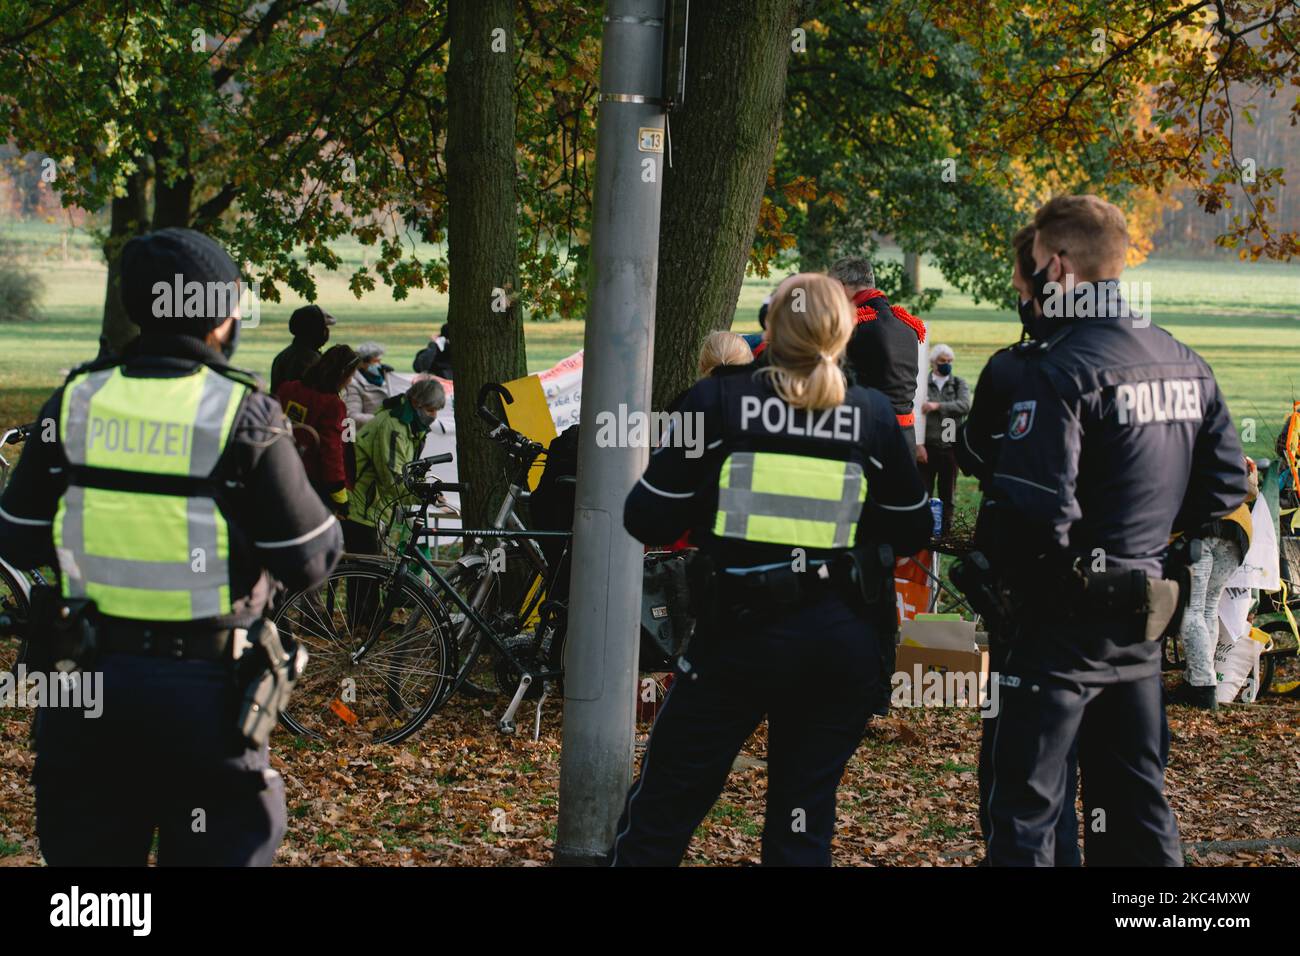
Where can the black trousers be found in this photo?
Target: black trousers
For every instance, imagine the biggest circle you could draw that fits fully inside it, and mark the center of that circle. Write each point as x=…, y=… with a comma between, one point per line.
x=1121, y=737
x=359, y=538
x=1066, y=851
x=940, y=469
x=362, y=597
x=814, y=675
x=163, y=755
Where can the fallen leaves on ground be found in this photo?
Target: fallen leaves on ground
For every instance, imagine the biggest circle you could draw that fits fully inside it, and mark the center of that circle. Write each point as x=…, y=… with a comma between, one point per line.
x=458, y=793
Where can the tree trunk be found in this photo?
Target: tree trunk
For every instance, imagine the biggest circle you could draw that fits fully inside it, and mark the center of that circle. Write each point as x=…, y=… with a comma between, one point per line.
x=171, y=199
x=484, y=315
x=171, y=203
x=130, y=214
x=723, y=142
x=911, y=273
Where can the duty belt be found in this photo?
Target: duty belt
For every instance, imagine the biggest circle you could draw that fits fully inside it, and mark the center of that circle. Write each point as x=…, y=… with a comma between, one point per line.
x=164, y=641
x=776, y=590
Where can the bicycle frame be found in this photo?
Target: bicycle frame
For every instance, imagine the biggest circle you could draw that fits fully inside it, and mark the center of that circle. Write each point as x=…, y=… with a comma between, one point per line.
x=506, y=520
x=472, y=618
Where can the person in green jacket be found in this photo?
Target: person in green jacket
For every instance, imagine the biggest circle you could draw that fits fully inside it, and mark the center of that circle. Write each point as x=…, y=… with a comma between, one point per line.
x=384, y=446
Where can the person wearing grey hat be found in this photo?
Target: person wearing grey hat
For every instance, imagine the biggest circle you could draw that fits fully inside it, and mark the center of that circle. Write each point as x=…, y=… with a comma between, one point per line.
x=177, y=500
x=368, y=388
x=310, y=327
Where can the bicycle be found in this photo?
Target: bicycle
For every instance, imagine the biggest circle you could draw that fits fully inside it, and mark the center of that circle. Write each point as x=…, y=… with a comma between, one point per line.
x=410, y=636
x=515, y=600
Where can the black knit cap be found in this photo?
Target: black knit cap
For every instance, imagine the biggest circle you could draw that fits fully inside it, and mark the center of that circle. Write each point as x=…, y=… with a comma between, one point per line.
x=309, y=320
x=155, y=260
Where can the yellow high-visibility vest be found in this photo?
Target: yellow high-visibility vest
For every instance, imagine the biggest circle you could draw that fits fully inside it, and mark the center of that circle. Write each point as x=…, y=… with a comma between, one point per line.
x=138, y=530
x=792, y=500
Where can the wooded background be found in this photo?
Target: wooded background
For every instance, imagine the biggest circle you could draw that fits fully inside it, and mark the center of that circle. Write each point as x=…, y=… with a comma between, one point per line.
x=811, y=128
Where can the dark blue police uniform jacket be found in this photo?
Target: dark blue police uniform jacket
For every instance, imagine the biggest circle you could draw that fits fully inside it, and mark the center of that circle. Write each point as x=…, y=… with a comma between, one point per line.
x=1117, y=436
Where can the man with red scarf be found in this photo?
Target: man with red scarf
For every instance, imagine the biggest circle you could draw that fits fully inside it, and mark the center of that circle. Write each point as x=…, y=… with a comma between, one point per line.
x=883, y=352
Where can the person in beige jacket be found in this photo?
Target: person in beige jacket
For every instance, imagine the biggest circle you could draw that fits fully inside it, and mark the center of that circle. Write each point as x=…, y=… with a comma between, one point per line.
x=368, y=388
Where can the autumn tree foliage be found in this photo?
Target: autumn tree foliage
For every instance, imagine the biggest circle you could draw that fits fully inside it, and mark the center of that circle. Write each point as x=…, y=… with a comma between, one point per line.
x=284, y=126
x=1165, y=86
x=943, y=126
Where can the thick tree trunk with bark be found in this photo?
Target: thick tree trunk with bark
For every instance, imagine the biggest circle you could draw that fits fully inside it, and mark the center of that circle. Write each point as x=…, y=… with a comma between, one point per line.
x=723, y=143
x=171, y=203
x=172, y=193
x=129, y=217
x=485, y=318
x=912, y=272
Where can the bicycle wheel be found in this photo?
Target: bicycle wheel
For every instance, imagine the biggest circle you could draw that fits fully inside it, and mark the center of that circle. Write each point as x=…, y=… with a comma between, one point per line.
x=406, y=673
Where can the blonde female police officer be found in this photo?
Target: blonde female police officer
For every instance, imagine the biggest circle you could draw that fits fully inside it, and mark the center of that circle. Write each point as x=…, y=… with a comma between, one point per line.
x=798, y=468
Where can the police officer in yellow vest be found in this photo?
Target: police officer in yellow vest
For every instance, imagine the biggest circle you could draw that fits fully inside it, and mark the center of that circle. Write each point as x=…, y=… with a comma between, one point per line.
x=171, y=499
x=801, y=487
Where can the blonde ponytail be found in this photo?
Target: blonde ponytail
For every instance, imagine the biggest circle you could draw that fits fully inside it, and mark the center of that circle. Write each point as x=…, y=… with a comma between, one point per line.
x=808, y=327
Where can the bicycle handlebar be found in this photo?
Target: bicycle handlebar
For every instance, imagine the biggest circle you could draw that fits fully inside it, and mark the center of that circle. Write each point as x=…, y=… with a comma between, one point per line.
x=498, y=426
x=19, y=434
x=417, y=468
x=517, y=444
x=415, y=472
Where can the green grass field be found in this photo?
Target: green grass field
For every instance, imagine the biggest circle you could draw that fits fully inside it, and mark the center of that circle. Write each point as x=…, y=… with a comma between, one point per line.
x=1243, y=318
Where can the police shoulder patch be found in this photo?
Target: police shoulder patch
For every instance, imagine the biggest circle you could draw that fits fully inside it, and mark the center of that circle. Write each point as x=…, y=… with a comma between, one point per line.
x=1022, y=419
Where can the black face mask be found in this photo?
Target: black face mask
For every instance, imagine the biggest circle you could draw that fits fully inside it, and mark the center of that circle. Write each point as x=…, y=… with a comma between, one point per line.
x=1026, y=309
x=232, y=340
x=1036, y=325
x=1038, y=282
x=1039, y=327
x=1028, y=318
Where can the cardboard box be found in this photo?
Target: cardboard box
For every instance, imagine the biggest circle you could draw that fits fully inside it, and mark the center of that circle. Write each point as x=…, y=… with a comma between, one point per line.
x=952, y=651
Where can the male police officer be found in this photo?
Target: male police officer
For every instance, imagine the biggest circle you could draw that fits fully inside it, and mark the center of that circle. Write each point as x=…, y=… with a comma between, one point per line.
x=797, y=468
x=976, y=448
x=169, y=490
x=1117, y=436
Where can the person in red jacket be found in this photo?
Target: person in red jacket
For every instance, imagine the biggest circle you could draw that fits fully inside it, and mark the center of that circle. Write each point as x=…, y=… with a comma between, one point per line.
x=884, y=352
x=318, y=415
